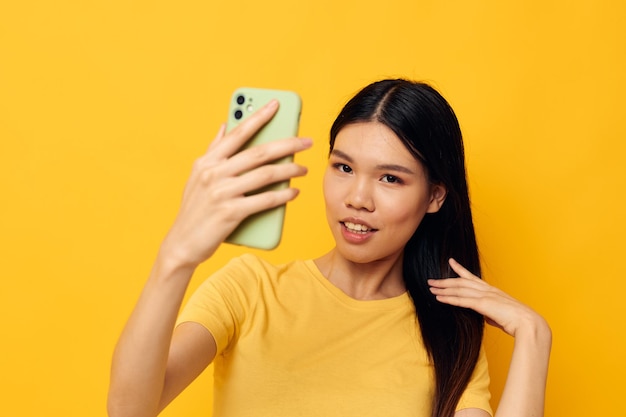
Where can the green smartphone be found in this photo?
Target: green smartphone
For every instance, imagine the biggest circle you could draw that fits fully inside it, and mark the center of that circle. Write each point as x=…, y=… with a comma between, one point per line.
x=263, y=230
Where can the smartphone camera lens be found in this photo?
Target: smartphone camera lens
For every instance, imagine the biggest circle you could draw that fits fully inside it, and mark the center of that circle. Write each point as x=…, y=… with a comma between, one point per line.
x=238, y=113
x=240, y=99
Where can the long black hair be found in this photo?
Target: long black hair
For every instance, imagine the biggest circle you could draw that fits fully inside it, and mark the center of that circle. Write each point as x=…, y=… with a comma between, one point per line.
x=428, y=127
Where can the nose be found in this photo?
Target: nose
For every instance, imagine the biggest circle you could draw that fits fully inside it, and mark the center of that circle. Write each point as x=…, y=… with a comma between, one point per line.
x=360, y=196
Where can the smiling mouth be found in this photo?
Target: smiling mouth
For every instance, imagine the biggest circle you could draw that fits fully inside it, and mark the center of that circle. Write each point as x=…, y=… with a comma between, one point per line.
x=357, y=228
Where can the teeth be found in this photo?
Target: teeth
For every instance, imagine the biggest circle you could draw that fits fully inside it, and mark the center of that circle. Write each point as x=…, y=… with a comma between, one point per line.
x=353, y=227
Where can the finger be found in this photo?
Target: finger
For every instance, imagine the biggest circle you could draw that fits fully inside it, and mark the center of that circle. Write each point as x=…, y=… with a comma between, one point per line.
x=218, y=138
x=458, y=292
x=472, y=298
x=256, y=203
x=465, y=302
x=460, y=269
x=470, y=282
x=238, y=136
x=262, y=177
x=264, y=154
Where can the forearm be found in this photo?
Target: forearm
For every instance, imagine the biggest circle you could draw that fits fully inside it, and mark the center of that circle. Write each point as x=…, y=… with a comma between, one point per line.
x=140, y=357
x=524, y=391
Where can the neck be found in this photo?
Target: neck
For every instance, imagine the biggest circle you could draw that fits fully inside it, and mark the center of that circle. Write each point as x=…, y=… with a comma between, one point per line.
x=363, y=281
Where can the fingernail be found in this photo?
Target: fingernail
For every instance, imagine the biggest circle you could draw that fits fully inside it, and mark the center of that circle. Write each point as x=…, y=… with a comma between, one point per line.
x=308, y=142
x=272, y=104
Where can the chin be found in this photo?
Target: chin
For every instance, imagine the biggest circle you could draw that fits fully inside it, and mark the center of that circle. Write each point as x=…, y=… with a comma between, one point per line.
x=361, y=254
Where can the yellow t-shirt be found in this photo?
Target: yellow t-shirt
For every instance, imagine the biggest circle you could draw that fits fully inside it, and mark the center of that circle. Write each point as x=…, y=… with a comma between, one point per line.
x=292, y=344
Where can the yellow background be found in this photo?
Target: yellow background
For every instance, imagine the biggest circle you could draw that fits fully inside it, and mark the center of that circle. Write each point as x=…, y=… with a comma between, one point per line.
x=104, y=105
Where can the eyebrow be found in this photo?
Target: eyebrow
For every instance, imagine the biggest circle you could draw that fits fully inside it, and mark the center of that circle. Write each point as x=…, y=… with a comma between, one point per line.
x=382, y=167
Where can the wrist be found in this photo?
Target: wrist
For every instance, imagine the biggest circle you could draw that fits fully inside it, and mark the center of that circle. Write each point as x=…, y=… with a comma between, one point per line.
x=536, y=331
x=176, y=256
x=170, y=265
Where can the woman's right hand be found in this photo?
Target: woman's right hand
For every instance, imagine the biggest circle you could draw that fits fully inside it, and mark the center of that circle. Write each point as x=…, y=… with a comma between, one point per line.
x=215, y=201
x=149, y=367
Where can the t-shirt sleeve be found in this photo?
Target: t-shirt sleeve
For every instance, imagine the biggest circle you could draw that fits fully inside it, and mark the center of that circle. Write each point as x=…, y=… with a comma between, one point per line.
x=222, y=302
x=477, y=393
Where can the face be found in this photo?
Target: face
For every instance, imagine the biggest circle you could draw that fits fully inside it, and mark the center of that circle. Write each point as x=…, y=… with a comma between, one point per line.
x=376, y=193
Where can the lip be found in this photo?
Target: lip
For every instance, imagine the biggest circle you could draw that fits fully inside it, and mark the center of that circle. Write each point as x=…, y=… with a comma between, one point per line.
x=354, y=237
x=356, y=220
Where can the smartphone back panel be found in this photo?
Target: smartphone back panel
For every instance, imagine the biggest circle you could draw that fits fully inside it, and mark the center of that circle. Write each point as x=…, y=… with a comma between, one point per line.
x=264, y=230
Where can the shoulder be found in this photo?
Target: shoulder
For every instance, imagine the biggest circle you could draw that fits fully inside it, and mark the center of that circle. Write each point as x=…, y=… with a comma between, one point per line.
x=252, y=270
x=247, y=267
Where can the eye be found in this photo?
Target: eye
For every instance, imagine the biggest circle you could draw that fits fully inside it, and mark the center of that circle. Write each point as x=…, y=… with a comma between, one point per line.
x=342, y=168
x=392, y=179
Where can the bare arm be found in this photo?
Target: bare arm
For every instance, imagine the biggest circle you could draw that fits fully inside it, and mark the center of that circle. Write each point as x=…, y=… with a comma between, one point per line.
x=152, y=362
x=524, y=391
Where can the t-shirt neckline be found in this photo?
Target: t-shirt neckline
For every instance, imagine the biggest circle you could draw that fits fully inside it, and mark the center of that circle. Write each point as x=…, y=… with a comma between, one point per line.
x=384, y=303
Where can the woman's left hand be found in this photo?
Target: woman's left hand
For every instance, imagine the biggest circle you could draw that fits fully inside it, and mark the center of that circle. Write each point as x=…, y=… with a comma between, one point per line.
x=524, y=391
x=498, y=308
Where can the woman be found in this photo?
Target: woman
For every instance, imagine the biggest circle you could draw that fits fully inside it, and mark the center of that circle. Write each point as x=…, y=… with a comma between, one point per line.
x=374, y=327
